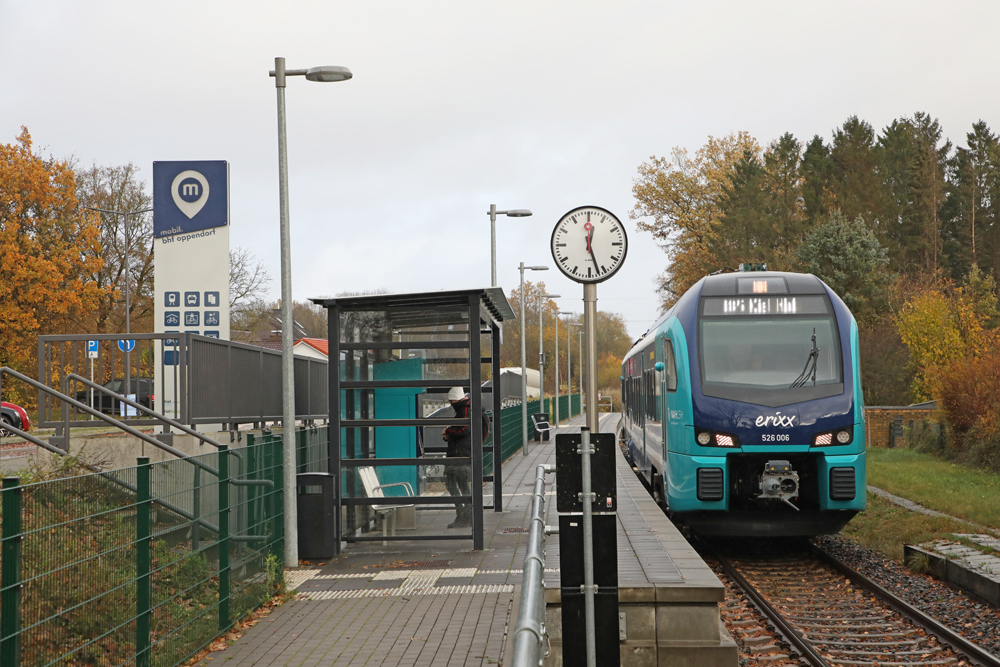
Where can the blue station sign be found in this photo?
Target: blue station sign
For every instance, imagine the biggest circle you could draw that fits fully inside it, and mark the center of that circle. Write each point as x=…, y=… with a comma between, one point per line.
x=190, y=196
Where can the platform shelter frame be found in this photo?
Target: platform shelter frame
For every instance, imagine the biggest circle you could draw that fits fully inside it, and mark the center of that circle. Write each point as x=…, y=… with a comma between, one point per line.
x=373, y=329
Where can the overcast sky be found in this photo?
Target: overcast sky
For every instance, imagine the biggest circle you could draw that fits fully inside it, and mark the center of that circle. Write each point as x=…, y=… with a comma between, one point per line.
x=457, y=105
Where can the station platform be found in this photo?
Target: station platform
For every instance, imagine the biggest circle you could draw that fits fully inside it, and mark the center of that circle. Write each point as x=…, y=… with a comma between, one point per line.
x=442, y=603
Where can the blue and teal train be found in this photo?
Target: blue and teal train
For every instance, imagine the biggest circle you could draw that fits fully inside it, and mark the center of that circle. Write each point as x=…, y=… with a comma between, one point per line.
x=743, y=410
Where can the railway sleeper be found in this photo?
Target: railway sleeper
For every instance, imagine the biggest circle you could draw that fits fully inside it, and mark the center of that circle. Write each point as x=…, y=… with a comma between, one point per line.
x=809, y=634
x=831, y=618
x=922, y=663
x=928, y=651
x=758, y=648
x=833, y=604
x=836, y=626
x=902, y=642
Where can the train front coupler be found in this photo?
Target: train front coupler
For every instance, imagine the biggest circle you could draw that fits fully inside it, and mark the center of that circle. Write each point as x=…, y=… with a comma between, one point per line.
x=779, y=482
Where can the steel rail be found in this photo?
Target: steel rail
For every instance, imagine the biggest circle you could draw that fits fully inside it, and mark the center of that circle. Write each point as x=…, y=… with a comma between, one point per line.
x=935, y=627
x=783, y=627
x=530, y=633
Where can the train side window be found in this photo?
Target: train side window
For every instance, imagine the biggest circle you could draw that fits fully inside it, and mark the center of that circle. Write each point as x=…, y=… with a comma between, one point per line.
x=671, y=365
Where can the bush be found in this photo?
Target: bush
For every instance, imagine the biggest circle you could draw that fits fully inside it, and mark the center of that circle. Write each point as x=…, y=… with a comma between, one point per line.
x=969, y=394
x=923, y=437
x=982, y=450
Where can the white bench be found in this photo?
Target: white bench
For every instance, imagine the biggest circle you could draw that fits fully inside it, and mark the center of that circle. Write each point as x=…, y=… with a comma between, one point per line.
x=541, y=425
x=374, y=490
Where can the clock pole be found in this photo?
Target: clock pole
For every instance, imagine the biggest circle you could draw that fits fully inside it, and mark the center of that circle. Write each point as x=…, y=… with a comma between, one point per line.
x=590, y=335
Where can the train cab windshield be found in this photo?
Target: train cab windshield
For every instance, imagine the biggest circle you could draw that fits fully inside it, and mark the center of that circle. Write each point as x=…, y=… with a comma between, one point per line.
x=769, y=350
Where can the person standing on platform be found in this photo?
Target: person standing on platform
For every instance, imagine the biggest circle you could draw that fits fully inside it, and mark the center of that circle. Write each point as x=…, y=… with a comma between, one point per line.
x=459, y=438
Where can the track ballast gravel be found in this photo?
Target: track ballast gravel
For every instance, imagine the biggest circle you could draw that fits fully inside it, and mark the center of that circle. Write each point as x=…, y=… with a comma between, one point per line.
x=975, y=621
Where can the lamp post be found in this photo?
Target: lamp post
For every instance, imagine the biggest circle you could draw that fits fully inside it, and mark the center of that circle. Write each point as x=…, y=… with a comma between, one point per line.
x=326, y=75
x=558, y=313
x=493, y=213
x=569, y=362
x=128, y=274
x=524, y=364
x=541, y=353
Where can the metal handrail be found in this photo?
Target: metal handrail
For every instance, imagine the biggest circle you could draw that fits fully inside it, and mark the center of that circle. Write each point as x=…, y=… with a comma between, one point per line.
x=156, y=415
x=530, y=635
x=127, y=401
x=108, y=475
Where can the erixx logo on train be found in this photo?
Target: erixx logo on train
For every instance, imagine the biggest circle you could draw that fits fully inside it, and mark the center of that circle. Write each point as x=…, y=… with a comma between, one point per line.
x=777, y=419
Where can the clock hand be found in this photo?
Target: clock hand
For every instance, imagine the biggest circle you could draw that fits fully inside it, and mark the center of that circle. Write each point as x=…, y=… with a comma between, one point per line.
x=590, y=244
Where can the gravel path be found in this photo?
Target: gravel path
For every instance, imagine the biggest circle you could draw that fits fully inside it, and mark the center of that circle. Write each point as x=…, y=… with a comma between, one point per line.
x=977, y=622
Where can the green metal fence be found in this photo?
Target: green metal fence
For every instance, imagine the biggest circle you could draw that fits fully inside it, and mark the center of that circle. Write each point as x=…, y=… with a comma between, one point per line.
x=143, y=565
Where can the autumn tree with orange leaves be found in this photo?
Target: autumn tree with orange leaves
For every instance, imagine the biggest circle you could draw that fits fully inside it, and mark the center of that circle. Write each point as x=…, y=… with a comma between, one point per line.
x=47, y=248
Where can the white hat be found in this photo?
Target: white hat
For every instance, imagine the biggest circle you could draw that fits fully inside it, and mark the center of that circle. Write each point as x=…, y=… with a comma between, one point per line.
x=456, y=394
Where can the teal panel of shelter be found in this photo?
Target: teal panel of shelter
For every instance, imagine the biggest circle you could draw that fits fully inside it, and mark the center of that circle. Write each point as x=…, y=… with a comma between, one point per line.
x=397, y=442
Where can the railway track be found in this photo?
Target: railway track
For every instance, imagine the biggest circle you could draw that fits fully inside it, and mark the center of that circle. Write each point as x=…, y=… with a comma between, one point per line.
x=827, y=614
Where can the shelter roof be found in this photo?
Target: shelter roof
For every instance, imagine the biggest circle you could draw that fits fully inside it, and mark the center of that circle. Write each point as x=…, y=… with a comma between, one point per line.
x=416, y=309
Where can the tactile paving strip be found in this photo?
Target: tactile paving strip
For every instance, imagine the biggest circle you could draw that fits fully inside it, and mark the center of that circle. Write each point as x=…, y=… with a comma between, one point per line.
x=407, y=592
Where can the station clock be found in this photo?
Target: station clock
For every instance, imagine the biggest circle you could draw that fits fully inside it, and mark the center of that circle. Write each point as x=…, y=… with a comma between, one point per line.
x=589, y=244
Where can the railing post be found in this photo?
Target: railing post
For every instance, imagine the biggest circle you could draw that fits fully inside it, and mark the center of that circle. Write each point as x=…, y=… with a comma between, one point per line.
x=196, y=509
x=142, y=562
x=277, y=514
x=10, y=582
x=223, y=545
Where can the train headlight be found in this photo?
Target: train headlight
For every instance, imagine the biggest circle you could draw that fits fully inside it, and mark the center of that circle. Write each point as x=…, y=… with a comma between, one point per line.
x=710, y=439
x=839, y=437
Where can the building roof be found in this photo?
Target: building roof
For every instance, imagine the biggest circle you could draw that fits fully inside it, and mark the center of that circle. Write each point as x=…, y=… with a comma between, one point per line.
x=319, y=344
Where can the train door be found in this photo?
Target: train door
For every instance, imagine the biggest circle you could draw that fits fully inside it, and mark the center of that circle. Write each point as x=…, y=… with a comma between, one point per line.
x=671, y=408
x=652, y=413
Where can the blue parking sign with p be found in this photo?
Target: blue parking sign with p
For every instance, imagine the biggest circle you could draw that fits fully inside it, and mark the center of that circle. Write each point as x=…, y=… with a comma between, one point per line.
x=93, y=349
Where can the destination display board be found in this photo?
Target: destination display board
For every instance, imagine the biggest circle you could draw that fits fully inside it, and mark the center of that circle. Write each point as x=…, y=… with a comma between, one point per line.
x=734, y=306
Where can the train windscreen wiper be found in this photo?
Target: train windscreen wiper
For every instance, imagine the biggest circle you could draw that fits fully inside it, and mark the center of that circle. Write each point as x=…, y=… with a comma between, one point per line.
x=810, y=367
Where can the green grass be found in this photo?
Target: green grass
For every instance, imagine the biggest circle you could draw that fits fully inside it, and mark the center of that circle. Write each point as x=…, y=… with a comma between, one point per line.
x=886, y=527
x=951, y=488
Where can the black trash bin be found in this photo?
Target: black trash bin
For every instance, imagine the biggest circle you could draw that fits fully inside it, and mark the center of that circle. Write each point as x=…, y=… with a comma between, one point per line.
x=317, y=540
x=540, y=419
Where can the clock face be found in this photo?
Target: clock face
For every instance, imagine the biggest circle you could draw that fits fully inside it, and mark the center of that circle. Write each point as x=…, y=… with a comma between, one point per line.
x=589, y=244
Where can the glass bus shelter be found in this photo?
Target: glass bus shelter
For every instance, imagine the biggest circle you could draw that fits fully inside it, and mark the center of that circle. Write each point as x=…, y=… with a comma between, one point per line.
x=399, y=355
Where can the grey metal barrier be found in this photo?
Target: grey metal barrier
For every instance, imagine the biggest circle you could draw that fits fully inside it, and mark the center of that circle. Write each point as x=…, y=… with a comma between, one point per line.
x=235, y=383
x=530, y=635
x=211, y=381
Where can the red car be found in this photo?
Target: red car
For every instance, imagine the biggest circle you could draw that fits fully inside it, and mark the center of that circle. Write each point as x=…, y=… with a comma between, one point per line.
x=15, y=416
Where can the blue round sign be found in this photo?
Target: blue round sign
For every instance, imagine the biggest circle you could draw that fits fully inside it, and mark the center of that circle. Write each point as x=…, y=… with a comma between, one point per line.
x=126, y=345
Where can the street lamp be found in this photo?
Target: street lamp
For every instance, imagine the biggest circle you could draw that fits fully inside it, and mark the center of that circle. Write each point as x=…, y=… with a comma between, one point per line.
x=541, y=353
x=558, y=313
x=322, y=74
x=128, y=305
x=524, y=364
x=569, y=363
x=493, y=213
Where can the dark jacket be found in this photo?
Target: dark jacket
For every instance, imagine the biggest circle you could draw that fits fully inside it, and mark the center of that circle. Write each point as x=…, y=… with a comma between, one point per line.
x=459, y=438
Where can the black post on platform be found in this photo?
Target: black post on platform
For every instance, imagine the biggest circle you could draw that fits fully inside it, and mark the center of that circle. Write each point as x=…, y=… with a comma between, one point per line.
x=604, y=539
x=333, y=428
x=475, y=415
x=495, y=335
